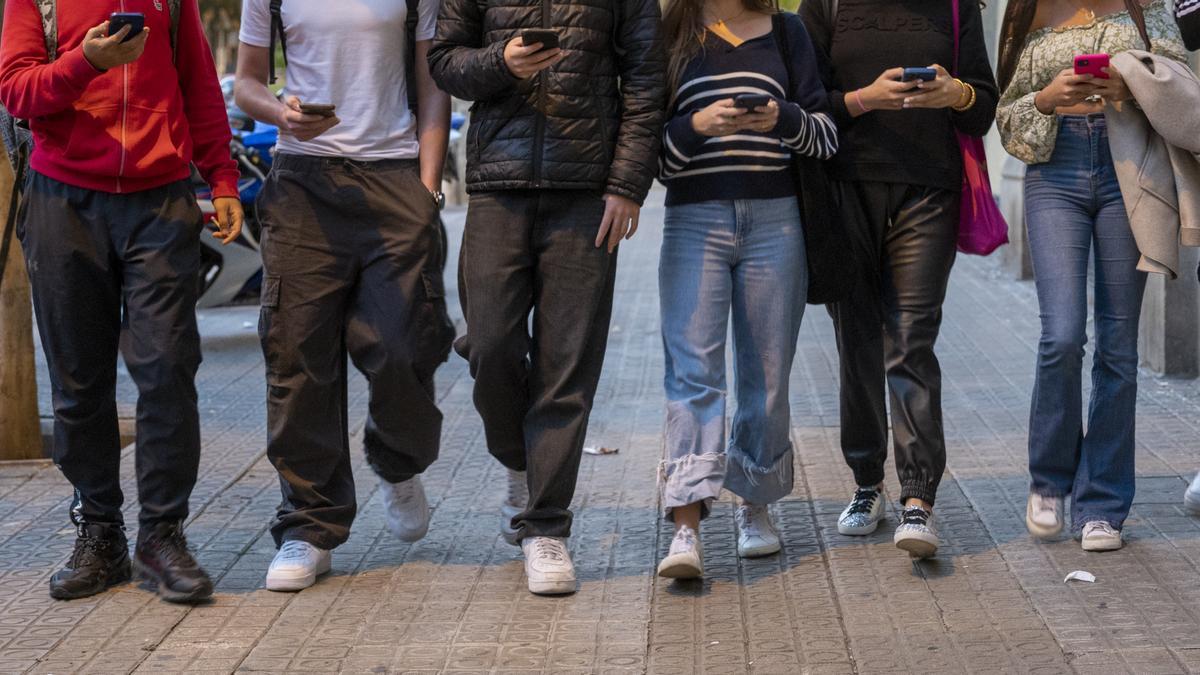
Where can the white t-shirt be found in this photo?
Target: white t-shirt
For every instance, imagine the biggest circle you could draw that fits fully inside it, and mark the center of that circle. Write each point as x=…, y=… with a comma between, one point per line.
x=350, y=53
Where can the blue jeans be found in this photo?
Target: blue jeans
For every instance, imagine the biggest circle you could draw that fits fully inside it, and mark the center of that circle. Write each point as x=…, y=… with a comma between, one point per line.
x=1074, y=206
x=744, y=256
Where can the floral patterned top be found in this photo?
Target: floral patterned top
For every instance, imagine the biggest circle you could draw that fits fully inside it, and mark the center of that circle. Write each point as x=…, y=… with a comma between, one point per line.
x=1029, y=134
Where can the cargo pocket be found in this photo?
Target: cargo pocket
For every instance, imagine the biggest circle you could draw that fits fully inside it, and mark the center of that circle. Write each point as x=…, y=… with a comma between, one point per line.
x=268, y=303
x=436, y=332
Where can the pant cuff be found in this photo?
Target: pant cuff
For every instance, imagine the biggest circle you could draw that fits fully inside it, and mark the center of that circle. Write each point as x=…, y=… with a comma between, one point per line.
x=758, y=484
x=691, y=479
x=867, y=475
x=1078, y=522
x=324, y=542
x=918, y=490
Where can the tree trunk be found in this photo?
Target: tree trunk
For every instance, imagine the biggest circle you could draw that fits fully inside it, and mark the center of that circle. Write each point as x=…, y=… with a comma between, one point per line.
x=20, y=432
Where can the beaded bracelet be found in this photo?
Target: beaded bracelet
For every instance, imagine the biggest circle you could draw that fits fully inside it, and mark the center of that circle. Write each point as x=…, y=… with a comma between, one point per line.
x=967, y=88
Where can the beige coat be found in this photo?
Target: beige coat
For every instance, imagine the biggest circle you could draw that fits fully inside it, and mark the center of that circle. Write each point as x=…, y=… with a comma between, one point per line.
x=1156, y=151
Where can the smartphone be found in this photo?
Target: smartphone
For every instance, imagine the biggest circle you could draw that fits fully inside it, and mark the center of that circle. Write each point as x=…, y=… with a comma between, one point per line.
x=547, y=38
x=1091, y=64
x=751, y=101
x=118, y=20
x=322, y=109
x=915, y=74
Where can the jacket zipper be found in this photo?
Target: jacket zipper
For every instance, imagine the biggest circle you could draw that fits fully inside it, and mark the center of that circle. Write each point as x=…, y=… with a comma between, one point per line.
x=539, y=130
x=124, y=114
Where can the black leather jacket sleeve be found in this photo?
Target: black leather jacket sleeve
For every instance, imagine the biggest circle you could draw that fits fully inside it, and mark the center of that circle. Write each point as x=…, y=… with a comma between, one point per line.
x=460, y=63
x=642, y=68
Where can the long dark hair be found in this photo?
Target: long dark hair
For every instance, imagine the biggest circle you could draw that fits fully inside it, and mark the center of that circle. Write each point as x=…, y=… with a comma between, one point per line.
x=683, y=30
x=1018, y=18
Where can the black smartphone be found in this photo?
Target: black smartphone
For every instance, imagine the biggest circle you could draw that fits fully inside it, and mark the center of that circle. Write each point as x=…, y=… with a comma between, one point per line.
x=751, y=101
x=321, y=109
x=547, y=38
x=922, y=74
x=118, y=20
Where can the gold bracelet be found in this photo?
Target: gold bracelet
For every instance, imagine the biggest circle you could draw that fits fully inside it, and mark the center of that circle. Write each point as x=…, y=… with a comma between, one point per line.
x=967, y=88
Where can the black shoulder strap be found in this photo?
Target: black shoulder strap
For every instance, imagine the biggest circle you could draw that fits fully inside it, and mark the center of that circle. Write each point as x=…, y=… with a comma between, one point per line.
x=410, y=57
x=174, y=9
x=10, y=224
x=785, y=50
x=277, y=33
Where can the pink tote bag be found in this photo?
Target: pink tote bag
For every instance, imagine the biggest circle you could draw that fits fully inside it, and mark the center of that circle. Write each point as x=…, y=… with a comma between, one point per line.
x=981, y=227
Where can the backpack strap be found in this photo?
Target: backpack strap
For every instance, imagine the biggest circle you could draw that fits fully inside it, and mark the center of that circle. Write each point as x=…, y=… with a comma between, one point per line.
x=410, y=57
x=174, y=9
x=779, y=31
x=277, y=33
x=49, y=11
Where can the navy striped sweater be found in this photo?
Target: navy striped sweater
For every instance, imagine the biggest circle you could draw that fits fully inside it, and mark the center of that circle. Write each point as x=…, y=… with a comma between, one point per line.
x=746, y=165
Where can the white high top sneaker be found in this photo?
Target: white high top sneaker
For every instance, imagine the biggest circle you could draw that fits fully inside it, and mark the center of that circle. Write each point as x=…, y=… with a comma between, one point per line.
x=756, y=533
x=407, y=508
x=548, y=566
x=296, y=566
x=514, y=504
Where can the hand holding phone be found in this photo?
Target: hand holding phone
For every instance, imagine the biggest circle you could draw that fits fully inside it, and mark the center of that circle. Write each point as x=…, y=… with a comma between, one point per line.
x=105, y=48
x=918, y=75
x=526, y=57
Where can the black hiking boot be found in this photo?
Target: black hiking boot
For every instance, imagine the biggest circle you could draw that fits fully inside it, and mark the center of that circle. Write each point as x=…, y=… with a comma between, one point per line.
x=163, y=558
x=100, y=561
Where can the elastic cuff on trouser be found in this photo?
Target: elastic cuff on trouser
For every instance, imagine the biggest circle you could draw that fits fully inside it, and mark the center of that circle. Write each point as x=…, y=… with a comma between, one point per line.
x=759, y=485
x=867, y=474
x=691, y=479
x=926, y=492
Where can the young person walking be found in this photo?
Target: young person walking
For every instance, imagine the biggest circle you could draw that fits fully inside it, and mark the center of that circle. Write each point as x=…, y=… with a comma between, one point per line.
x=561, y=152
x=1052, y=119
x=733, y=242
x=353, y=254
x=899, y=181
x=111, y=234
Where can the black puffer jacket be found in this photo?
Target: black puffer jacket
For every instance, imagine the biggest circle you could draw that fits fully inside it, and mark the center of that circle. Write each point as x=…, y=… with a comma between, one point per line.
x=592, y=121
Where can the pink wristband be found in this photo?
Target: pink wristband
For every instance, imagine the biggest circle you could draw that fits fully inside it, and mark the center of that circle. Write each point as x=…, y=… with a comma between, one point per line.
x=858, y=100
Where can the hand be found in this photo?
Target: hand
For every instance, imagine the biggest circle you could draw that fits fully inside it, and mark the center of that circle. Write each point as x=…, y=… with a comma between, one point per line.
x=620, y=221
x=943, y=91
x=1065, y=90
x=525, y=61
x=228, y=219
x=106, y=51
x=304, y=127
x=718, y=119
x=887, y=92
x=1114, y=88
x=763, y=119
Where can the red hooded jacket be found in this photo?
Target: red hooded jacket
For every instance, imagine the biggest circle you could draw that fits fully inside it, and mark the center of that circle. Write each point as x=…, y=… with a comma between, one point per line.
x=130, y=128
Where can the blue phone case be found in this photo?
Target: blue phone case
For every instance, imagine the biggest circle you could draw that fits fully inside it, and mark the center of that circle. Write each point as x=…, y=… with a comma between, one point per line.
x=135, y=20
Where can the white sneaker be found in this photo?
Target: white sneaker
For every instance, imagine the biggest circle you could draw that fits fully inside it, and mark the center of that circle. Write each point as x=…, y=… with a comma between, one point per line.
x=864, y=512
x=1044, y=516
x=1098, y=535
x=756, y=535
x=407, y=508
x=548, y=567
x=1191, y=498
x=514, y=505
x=685, y=560
x=916, y=533
x=296, y=566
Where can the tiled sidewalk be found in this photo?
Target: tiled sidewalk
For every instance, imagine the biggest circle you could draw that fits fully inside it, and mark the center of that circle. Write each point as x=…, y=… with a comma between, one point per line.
x=993, y=601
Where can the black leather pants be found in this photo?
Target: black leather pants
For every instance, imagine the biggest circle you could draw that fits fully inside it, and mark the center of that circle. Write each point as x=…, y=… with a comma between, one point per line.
x=904, y=237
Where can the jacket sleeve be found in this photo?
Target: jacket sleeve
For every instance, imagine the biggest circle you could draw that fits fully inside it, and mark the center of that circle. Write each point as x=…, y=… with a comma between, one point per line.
x=460, y=63
x=975, y=69
x=804, y=123
x=642, y=65
x=31, y=86
x=814, y=13
x=203, y=104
